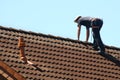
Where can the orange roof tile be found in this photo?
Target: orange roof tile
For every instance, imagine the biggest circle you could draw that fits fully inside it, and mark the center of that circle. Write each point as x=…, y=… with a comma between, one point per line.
x=57, y=58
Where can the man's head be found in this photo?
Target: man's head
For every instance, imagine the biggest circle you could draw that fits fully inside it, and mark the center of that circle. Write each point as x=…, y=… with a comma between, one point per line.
x=76, y=20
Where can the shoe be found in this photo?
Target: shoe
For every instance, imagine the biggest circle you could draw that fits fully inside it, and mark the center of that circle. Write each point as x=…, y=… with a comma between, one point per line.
x=101, y=52
x=96, y=48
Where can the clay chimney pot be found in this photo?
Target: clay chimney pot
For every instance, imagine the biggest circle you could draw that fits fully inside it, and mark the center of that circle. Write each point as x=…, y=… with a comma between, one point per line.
x=21, y=42
x=21, y=45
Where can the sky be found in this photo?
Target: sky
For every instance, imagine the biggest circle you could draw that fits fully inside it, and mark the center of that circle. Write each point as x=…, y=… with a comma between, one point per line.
x=56, y=17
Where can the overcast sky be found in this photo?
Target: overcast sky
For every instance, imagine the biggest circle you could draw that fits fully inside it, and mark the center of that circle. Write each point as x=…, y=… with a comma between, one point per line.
x=56, y=17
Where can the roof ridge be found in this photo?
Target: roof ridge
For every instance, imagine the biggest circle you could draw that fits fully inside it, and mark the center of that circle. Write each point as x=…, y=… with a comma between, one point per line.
x=46, y=35
x=52, y=36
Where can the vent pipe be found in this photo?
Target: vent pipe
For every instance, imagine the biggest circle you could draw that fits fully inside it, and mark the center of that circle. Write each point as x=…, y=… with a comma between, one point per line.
x=21, y=45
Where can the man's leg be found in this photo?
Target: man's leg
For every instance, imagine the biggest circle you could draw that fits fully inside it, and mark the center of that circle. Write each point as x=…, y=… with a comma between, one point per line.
x=98, y=40
x=95, y=46
x=96, y=26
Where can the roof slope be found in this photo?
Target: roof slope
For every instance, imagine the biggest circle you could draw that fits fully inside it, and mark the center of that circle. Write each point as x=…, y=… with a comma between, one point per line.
x=57, y=58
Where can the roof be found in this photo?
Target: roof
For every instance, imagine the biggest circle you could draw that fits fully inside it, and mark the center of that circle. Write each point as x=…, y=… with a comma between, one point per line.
x=56, y=58
x=7, y=73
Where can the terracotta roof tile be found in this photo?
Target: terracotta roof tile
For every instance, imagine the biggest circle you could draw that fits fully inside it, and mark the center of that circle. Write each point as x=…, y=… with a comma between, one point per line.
x=57, y=58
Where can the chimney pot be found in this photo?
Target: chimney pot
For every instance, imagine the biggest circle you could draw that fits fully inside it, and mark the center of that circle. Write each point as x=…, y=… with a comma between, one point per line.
x=21, y=45
x=21, y=42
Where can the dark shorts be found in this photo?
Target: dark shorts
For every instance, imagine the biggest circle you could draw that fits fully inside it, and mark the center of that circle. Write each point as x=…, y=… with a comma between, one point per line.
x=97, y=22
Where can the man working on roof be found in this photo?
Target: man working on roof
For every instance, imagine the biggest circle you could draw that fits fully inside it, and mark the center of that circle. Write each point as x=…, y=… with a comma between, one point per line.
x=95, y=24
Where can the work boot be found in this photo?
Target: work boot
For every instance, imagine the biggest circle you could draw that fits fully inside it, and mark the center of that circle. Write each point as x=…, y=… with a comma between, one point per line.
x=101, y=52
x=96, y=48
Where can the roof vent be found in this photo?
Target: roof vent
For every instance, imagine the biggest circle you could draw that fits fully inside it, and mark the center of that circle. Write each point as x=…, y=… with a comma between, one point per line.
x=21, y=45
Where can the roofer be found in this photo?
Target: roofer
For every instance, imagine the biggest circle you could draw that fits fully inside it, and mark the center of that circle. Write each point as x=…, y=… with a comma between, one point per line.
x=96, y=25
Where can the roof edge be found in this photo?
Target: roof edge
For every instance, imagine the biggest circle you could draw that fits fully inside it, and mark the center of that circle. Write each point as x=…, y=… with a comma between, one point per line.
x=51, y=36
x=11, y=71
x=39, y=34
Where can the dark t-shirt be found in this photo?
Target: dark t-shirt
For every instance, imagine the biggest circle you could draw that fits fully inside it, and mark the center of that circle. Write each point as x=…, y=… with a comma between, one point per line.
x=85, y=21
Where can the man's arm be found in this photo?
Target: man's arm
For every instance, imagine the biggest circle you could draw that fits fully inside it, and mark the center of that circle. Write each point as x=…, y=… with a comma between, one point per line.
x=87, y=34
x=78, y=34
